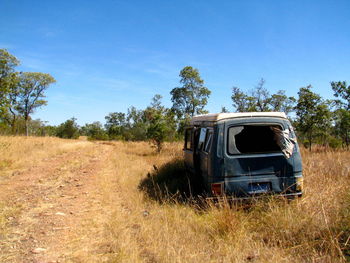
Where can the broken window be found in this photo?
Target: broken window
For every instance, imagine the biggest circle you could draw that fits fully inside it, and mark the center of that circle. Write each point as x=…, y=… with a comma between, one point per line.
x=201, y=140
x=208, y=142
x=248, y=139
x=188, y=139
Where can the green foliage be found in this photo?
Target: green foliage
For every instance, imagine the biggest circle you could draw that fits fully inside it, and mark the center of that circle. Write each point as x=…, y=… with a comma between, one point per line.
x=259, y=99
x=115, y=125
x=30, y=93
x=192, y=96
x=242, y=102
x=8, y=63
x=68, y=130
x=342, y=125
x=334, y=142
x=224, y=110
x=313, y=115
x=280, y=102
x=161, y=123
x=21, y=93
x=136, y=127
x=341, y=91
x=95, y=131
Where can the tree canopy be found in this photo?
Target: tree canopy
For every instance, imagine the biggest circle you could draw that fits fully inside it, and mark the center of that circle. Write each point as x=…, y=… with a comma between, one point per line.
x=31, y=92
x=313, y=114
x=191, y=98
x=260, y=99
x=8, y=77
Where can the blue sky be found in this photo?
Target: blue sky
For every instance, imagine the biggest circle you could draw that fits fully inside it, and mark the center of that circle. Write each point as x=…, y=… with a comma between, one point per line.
x=109, y=55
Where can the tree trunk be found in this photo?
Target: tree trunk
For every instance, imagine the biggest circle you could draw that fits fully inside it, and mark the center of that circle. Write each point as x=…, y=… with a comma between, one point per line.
x=12, y=122
x=310, y=142
x=27, y=130
x=13, y=125
x=159, y=146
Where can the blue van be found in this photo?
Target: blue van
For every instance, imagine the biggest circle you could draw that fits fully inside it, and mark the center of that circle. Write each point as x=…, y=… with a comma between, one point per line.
x=244, y=154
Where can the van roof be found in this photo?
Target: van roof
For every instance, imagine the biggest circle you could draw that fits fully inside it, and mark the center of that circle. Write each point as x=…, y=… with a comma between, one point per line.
x=213, y=117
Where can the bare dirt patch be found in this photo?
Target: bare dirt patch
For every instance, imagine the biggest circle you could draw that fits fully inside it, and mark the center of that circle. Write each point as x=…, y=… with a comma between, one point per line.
x=53, y=197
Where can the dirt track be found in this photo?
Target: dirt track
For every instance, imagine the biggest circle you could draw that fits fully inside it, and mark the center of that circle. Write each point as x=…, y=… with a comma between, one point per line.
x=56, y=198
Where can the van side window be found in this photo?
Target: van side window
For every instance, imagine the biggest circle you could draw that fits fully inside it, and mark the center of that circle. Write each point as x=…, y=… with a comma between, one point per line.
x=201, y=140
x=188, y=139
x=208, y=142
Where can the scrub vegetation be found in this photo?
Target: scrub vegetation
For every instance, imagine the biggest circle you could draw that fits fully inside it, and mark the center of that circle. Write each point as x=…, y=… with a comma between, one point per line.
x=92, y=201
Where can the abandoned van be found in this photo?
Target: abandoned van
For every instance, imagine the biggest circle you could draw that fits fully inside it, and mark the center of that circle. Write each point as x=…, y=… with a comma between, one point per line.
x=244, y=154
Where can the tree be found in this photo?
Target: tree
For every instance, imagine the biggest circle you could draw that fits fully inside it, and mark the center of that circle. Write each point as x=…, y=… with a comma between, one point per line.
x=160, y=125
x=95, y=131
x=259, y=99
x=242, y=102
x=31, y=92
x=341, y=91
x=192, y=96
x=262, y=96
x=136, y=126
x=68, y=130
x=313, y=115
x=223, y=109
x=115, y=124
x=280, y=102
x=342, y=125
x=8, y=63
x=12, y=115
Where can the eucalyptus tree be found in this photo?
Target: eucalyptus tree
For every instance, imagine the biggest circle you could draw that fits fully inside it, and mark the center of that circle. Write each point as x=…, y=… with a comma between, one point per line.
x=31, y=88
x=192, y=96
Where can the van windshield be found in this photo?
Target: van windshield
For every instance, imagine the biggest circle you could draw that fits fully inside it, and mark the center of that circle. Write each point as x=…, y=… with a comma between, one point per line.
x=249, y=139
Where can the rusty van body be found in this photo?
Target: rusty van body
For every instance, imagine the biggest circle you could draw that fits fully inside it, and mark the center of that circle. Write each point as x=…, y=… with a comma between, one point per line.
x=244, y=154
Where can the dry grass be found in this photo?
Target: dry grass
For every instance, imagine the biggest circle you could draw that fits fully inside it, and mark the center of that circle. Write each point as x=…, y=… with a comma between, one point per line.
x=313, y=229
x=17, y=152
x=131, y=225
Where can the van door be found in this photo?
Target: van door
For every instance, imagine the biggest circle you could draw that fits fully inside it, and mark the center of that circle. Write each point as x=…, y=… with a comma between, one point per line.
x=204, y=146
x=253, y=153
x=189, y=149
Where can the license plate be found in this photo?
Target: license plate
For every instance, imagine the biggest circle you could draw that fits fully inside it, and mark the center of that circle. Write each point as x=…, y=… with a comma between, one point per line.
x=259, y=188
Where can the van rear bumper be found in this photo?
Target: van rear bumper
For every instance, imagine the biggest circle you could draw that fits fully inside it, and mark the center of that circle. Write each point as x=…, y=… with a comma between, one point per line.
x=255, y=186
x=289, y=196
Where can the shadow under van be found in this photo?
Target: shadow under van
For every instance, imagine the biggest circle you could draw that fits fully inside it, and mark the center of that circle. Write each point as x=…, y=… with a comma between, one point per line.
x=244, y=155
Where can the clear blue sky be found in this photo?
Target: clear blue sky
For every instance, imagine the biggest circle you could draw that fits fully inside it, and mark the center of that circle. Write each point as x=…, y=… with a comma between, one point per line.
x=109, y=55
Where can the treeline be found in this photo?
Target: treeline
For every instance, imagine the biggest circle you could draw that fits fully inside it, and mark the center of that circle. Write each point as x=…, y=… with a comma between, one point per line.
x=317, y=120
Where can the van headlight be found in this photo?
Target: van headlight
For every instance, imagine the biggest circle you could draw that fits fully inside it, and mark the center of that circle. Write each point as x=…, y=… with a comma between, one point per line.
x=299, y=184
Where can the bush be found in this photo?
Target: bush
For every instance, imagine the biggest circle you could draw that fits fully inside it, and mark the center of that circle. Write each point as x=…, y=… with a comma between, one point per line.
x=95, y=131
x=68, y=130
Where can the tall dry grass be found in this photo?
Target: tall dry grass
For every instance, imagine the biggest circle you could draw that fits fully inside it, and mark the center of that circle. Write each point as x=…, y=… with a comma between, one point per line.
x=315, y=228
x=18, y=152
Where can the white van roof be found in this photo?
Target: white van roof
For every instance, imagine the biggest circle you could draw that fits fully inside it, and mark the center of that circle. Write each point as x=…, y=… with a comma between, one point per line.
x=212, y=117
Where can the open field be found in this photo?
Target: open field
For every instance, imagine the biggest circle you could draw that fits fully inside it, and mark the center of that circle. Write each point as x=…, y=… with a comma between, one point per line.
x=80, y=201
